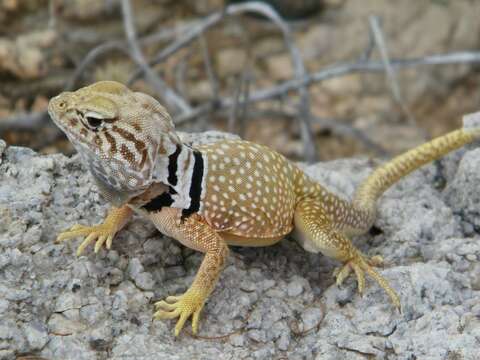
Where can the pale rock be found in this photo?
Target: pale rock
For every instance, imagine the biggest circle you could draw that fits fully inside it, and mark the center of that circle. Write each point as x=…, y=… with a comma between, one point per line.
x=60, y=306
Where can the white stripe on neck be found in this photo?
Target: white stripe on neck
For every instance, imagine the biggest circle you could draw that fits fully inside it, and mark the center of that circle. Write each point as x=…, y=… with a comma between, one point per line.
x=183, y=174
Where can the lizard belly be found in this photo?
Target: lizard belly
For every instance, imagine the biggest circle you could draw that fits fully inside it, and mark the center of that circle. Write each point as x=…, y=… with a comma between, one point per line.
x=236, y=240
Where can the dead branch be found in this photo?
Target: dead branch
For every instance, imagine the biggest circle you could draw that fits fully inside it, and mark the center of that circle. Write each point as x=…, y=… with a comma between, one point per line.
x=331, y=72
x=298, y=66
x=24, y=121
x=119, y=45
x=167, y=94
x=336, y=127
x=343, y=129
x=380, y=42
x=246, y=96
x=91, y=57
x=211, y=75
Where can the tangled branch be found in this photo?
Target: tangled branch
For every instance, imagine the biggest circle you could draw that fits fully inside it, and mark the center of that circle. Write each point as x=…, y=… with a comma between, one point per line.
x=184, y=35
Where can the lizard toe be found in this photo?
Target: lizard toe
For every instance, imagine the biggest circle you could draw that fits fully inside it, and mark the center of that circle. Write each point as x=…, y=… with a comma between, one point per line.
x=185, y=306
x=360, y=265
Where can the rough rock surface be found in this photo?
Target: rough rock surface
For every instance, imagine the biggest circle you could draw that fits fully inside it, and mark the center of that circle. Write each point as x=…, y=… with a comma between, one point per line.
x=271, y=303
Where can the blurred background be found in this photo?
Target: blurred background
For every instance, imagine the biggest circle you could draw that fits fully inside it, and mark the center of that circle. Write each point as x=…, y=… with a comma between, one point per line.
x=315, y=80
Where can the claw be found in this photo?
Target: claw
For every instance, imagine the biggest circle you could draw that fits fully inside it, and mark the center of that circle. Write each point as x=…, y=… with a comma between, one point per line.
x=376, y=261
x=164, y=305
x=173, y=298
x=342, y=273
x=109, y=241
x=86, y=242
x=101, y=239
x=101, y=234
x=184, y=306
x=166, y=315
x=360, y=277
x=360, y=265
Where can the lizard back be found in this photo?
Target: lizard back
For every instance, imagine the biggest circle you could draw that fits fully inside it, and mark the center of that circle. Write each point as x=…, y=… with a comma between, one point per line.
x=250, y=189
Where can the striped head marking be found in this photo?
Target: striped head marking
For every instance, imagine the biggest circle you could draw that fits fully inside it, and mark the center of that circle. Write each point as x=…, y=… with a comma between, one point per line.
x=117, y=131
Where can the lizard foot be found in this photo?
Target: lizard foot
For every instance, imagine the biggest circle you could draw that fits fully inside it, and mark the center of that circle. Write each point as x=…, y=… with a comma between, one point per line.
x=359, y=265
x=183, y=306
x=102, y=233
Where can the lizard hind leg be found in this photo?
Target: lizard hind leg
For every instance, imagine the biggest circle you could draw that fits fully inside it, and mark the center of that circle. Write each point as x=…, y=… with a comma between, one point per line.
x=317, y=230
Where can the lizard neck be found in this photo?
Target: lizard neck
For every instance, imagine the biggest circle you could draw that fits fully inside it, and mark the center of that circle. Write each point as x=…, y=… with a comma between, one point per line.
x=184, y=170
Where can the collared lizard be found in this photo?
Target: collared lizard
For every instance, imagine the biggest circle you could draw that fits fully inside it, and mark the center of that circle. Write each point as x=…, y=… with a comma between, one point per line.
x=231, y=192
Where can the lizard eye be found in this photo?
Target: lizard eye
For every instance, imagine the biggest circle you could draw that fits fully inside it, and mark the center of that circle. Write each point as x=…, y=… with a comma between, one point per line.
x=94, y=122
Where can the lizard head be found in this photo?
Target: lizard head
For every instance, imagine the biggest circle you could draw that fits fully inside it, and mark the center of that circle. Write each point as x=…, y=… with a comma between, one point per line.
x=118, y=133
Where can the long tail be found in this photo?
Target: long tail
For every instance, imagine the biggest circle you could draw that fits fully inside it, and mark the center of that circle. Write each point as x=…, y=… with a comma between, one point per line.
x=383, y=177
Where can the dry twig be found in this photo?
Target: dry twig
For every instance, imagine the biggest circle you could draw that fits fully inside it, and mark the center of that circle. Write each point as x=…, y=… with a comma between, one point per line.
x=211, y=75
x=245, y=97
x=334, y=71
x=24, y=121
x=119, y=45
x=167, y=94
x=379, y=40
x=298, y=66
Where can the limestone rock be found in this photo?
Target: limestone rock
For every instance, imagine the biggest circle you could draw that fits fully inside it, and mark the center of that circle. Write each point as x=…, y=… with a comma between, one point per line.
x=277, y=302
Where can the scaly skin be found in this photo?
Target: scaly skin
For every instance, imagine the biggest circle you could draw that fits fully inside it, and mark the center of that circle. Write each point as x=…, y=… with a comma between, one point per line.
x=231, y=192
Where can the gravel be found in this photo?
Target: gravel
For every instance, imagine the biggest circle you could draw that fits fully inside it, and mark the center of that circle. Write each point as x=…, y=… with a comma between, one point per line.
x=275, y=302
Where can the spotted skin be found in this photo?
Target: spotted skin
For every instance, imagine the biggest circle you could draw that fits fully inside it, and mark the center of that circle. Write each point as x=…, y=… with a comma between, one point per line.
x=250, y=190
x=231, y=192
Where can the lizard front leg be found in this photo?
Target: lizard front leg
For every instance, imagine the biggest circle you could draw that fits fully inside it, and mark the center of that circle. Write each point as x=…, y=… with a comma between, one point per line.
x=102, y=233
x=198, y=235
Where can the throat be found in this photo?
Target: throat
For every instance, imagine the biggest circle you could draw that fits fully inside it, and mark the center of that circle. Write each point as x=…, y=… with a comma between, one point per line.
x=184, y=170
